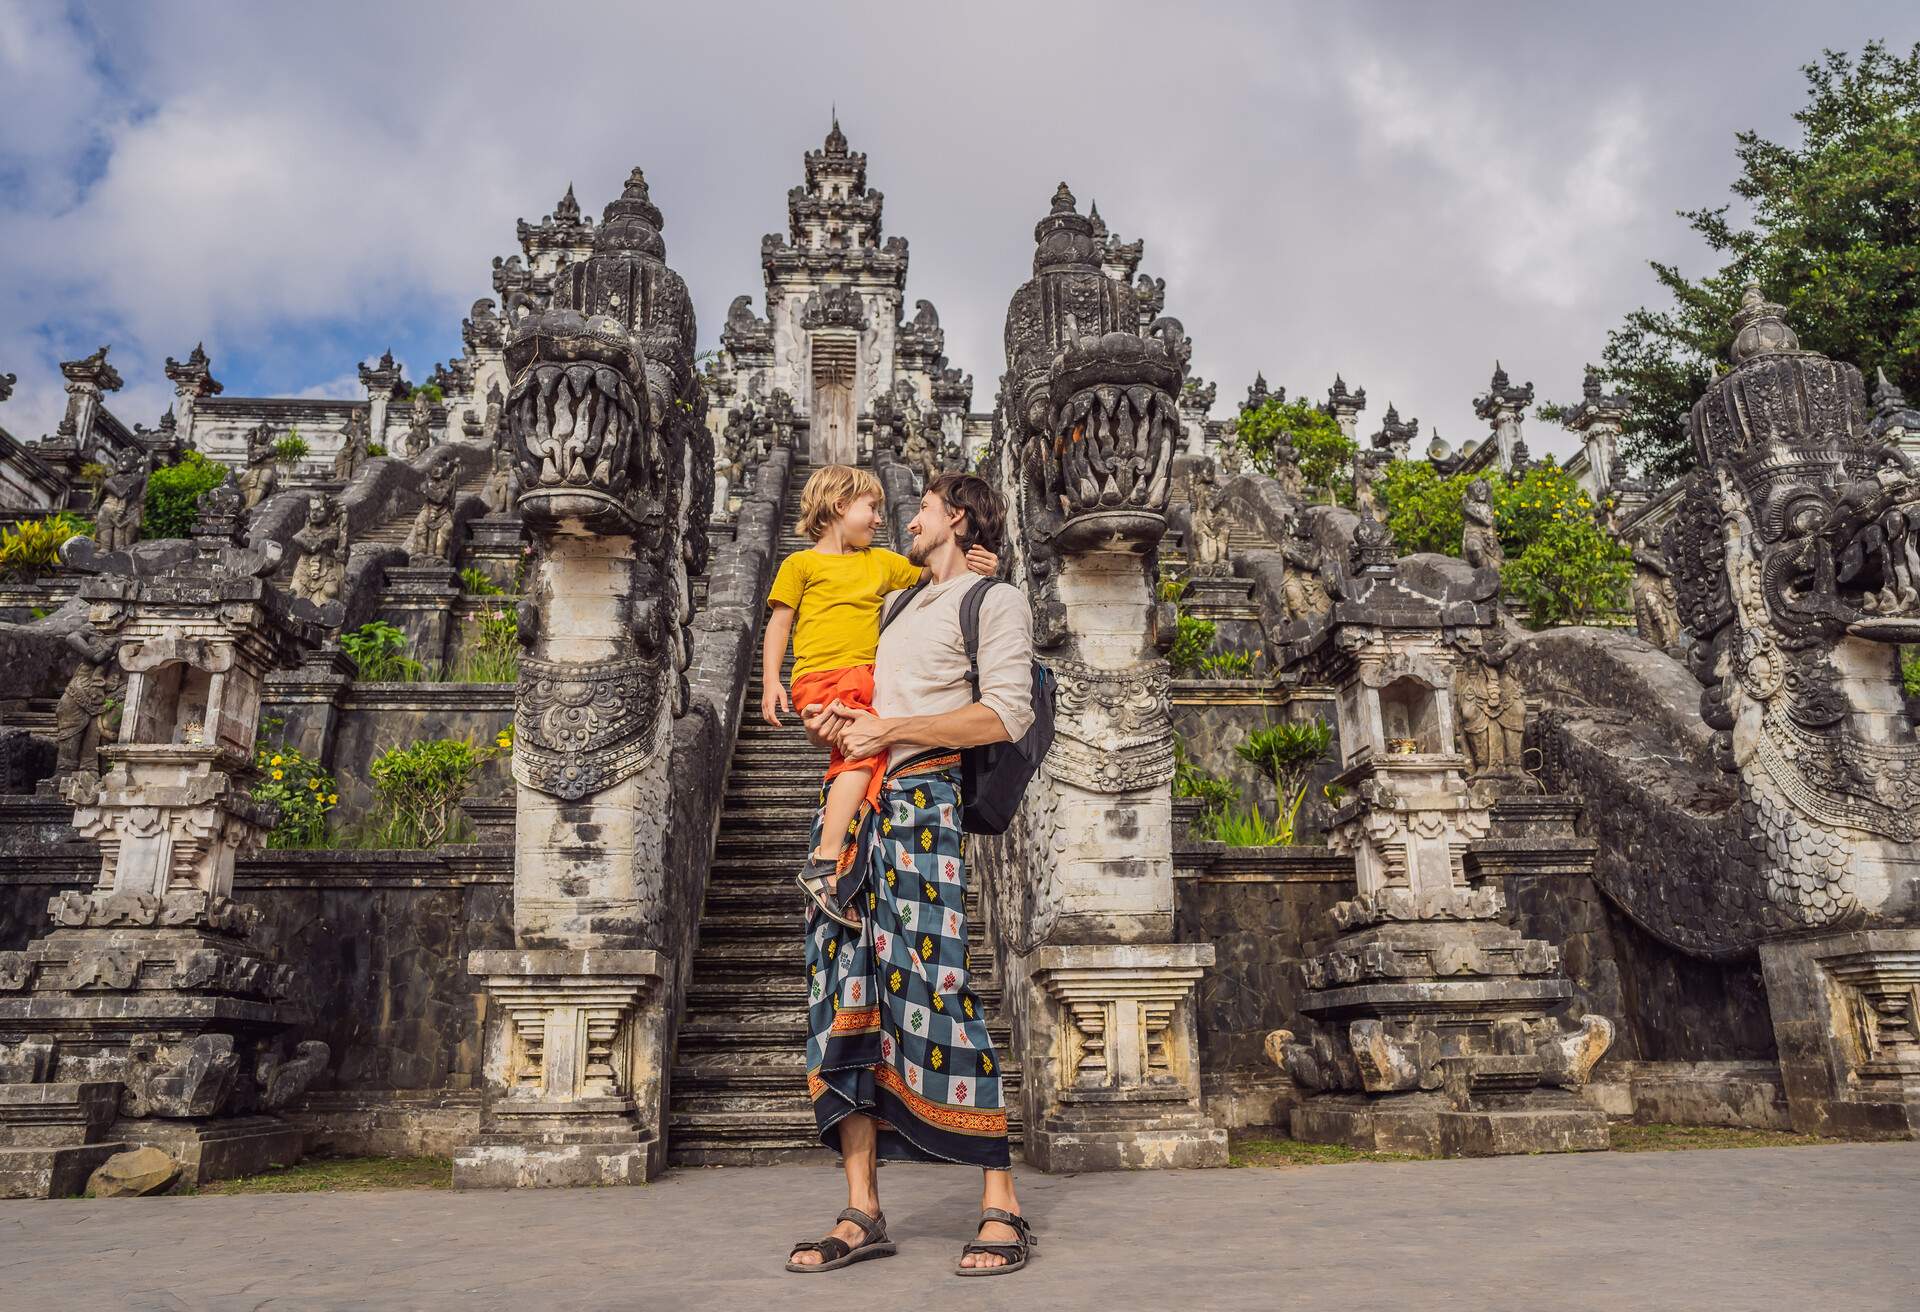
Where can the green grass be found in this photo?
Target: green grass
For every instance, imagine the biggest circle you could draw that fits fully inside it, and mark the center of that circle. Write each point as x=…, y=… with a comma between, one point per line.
x=1627, y=1137
x=1262, y=1151
x=343, y=1175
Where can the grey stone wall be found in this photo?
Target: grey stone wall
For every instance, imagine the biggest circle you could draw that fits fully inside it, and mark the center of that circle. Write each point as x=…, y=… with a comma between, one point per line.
x=1213, y=716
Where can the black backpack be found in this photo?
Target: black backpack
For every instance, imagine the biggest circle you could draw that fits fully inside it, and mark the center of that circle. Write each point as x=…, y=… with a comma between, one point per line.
x=994, y=777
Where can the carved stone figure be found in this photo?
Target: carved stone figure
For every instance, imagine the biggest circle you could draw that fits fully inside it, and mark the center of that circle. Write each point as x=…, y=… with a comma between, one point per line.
x=921, y=451
x=432, y=535
x=1304, y=595
x=353, y=447
x=490, y=431
x=322, y=570
x=122, y=501
x=1364, y=499
x=502, y=488
x=261, y=475
x=1656, y=603
x=419, y=426
x=86, y=712
x=1210, y=547
x=1493, y=711
x=1480, y=538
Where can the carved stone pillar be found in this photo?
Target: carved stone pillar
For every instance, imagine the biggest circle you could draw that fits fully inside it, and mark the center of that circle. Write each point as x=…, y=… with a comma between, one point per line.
x=1504, y=407
x=607, y=421
x=1080, y=889
x=151, y=985
x=1599, y=419
x=382, y=382
x=1345, y=407
x=1435, y=1022
x=191, y=380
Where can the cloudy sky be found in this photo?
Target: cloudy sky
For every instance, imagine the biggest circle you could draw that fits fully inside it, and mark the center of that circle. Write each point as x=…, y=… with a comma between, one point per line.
x=1400, y=192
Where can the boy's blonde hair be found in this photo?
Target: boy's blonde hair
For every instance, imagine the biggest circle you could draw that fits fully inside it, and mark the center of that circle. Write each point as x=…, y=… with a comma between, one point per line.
x=831, y=487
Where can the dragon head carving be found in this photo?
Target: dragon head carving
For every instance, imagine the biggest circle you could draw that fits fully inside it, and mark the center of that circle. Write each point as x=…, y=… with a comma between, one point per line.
x=1091, y=401
x=604, y=388
x=1794, y=555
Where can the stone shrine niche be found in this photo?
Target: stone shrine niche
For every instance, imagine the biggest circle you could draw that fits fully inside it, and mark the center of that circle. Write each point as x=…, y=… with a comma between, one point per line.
x=1409, y=718
x=182, y=692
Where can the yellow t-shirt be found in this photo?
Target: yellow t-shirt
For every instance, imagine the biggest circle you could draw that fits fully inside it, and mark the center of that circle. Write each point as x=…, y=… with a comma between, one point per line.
x=836, y=602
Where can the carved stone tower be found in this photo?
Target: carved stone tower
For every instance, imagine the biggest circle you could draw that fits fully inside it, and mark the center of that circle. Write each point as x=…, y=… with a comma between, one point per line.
x=606, y=419
x=1081, y=888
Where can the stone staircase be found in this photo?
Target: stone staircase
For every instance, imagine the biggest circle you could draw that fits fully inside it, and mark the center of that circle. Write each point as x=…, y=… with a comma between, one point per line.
x=394, y=530
x=739, y=1088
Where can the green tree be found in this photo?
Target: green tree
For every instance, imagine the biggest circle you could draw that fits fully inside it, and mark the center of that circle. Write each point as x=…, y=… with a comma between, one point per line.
x=173, y=495
x=1833, y=234
x=1421, y=508
x=1321, y=450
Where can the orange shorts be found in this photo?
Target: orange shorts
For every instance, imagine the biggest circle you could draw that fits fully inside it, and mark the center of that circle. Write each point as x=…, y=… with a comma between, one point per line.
x=852, y=687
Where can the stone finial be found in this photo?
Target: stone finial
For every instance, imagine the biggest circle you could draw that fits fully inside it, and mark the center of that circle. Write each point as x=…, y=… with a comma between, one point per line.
x=193, y=377
x=6, y=386
x=1063, y=202
x=1886, y=396
x=1259, y=394
x=93, y=371
x=1502, y=395
x=1339, y=398
x=836, y=139
x=383, y=378
x=1760, y=327
x=568, y=210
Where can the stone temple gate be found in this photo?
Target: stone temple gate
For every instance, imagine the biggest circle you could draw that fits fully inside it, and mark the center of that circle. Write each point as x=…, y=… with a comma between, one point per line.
x=1537, y=879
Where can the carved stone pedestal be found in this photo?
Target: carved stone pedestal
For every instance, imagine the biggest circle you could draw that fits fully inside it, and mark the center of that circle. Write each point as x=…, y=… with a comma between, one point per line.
x=1846, y=1018
x=419, y=601
x=575, y=1067
x=494, y=546
x=1114, y=1079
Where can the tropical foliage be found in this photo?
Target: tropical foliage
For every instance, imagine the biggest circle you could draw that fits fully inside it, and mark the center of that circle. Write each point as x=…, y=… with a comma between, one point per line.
x=1191, y=643
x=32, y=547
x=174, y=493
x=1286, y=753
x=417, y=791
x=300, y=787
x=380, y=651
x=1323, y=453
x=1832, y=231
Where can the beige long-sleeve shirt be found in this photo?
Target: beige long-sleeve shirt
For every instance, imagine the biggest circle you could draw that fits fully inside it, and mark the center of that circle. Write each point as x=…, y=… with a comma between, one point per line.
x=921, y=668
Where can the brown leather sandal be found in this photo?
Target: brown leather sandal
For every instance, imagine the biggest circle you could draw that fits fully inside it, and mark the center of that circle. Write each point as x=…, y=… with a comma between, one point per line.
x=838, y=1252
x=1015, y=1251
x=813, y=879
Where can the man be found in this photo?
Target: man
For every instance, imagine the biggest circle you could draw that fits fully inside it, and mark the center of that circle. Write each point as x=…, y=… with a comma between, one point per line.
x=899, y=1063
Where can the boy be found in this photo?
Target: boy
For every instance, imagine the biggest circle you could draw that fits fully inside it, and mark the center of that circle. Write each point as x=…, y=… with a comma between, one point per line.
x=828, y=598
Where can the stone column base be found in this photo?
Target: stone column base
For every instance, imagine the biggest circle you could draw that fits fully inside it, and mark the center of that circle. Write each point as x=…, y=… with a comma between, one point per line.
x=1111, y=1072
x=217, y=1148
x=1430, y=1126
x=575, y=1070
x=53, y=1136
x=1846, y=1020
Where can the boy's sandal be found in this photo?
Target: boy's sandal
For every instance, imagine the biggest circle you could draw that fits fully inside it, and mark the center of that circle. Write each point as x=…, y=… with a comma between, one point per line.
x=813, y=879
x=838, y=1253
x=1015, y=1251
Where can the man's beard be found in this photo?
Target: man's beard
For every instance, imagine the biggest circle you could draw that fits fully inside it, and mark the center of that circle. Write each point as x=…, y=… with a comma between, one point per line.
x=918, y=550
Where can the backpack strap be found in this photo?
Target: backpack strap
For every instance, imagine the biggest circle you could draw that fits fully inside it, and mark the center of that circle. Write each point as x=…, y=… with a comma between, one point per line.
x=970, y=629
x=905, y=601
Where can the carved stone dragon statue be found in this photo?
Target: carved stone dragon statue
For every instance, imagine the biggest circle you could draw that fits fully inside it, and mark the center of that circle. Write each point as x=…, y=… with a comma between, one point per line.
x=606, y=418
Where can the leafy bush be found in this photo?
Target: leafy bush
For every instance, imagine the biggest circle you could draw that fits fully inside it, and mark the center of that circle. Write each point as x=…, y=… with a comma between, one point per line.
x=1422, y=509
x=1321, y=450
x=1172, y=588
x=417, y=791
x=290, y=448
x=431, y=390
x=477, y=582
x=1237, y=828
x=173, y=495
x=1560, y=563
x=1229, y=664
x=299, y=786
x=1189, y=780
x=1910, y=671
x=1286, y=753
x=376, y=448
x=32, y=547
x=380, y=652
x=1190, y=643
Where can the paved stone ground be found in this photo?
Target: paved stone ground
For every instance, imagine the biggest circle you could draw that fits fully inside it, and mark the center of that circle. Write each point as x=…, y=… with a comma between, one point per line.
x=1819, y=1227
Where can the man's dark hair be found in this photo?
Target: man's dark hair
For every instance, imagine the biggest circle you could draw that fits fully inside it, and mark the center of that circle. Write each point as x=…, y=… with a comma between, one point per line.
x=986, y=513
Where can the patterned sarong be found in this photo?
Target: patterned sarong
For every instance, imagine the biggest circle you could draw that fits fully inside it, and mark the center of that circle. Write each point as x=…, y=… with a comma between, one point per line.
x=894, y=1031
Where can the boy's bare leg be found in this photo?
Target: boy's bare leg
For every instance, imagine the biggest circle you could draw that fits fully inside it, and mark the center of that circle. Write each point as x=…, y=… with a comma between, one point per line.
x=858, y=1155
x=843, y=803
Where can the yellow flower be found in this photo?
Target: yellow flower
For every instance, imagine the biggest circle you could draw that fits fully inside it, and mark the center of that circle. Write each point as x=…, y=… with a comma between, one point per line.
x=332, y=798
x=279, y=774
x=275, y=761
